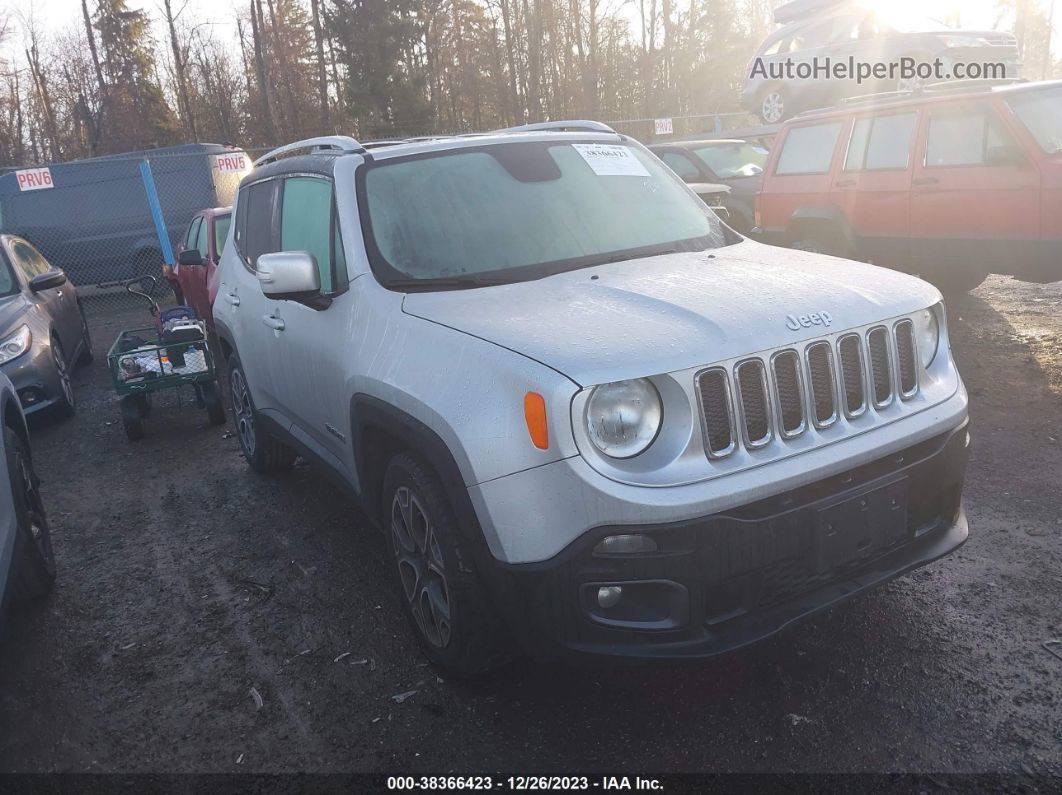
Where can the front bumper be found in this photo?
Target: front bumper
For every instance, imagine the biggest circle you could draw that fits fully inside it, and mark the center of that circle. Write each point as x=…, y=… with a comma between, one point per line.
x=722, y=581
x=34, y=378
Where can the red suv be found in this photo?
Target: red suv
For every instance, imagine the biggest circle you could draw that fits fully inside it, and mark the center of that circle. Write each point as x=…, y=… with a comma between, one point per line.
x=197, y=261
x=950, y=183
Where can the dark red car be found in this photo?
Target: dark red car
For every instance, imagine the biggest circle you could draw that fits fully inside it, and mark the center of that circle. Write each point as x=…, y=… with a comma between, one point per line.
x=951, y=183
x=197, y=260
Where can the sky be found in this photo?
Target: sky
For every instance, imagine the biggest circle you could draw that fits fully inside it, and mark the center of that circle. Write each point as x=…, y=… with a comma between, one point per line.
x=53, y=15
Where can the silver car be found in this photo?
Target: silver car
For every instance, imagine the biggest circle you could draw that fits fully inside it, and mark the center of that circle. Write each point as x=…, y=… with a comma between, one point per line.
x=27, y=563
x=590, y=418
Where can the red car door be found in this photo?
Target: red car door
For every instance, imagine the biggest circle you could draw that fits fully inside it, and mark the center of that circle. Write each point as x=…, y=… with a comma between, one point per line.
x=873, y=186
x=193, y=278
x=975, y=192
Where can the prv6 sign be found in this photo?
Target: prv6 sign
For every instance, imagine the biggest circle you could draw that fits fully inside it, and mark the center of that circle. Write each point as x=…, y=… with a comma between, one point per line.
x=34, y=179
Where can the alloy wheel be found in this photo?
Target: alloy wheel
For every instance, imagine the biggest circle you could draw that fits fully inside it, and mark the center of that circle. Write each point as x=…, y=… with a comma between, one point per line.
x=773, y=107
x=64, y=374
x=420, y=567
x=243, y=411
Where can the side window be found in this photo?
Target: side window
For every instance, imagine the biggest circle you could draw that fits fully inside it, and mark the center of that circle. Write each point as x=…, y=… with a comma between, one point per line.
x=202, y=240
x=29, y=261
x=193, y=232
x=221, y=232
x=306, y=222
x=808, y=150
x=255, y=233
x=967, y=138
x=881, y=143
x=681, y=165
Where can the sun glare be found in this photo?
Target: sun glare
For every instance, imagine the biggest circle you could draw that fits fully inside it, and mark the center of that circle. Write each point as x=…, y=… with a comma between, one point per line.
x=911, y=14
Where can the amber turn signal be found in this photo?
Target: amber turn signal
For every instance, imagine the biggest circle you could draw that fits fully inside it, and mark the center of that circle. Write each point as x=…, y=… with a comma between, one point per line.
x=535, y=415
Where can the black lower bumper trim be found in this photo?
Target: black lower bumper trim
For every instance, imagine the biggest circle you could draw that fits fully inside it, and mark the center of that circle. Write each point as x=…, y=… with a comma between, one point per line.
x=723, y=581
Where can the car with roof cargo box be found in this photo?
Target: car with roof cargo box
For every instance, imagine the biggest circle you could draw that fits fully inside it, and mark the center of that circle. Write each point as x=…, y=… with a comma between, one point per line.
x=951, y=182
x=92, y=219
x=588, y=417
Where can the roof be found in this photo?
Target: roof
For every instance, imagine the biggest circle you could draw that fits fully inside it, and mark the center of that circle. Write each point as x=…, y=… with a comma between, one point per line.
x=930, y=95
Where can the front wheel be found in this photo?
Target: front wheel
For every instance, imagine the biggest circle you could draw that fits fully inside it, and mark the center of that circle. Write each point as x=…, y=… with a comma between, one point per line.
x=34, y=560
x=135, y=408
x=955, y=281
x=66, y=404
x=442, y=595
x=262, y=451
x=821, y=240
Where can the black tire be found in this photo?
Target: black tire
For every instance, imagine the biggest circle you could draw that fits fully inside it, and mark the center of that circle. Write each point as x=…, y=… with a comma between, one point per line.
x=34, y=561
x=435, y=571
x=955, y=281
x=212, y=402
x=263, y=452
x=66, y=403
x=86, y=356
x=134, y=410
x=821, y=239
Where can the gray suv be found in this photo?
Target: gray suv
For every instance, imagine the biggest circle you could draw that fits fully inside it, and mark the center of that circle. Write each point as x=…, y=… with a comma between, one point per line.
x=849, y=30
x=589, y=417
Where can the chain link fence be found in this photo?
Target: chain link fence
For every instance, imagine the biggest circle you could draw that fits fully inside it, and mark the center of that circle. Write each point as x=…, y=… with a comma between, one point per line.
x=108, y=219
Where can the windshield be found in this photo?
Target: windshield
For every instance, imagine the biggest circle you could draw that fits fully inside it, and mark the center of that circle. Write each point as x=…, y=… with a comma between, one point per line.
x=733, y=160
x=515, y=211
x=1041, y=113
x=221, y=232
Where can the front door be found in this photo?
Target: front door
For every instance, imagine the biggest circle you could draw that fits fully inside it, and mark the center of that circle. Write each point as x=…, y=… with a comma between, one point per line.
x=974, y=192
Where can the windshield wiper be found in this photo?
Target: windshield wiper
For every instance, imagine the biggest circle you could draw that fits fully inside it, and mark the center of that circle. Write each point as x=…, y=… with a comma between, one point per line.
x=444, y=283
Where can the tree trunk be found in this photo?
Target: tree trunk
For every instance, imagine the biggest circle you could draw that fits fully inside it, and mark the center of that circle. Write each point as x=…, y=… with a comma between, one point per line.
x=265, y=92
x=322, y=76
x=179, y=70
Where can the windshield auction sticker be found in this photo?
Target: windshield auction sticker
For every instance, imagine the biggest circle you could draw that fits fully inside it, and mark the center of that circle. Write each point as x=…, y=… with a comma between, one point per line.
x=611, y=160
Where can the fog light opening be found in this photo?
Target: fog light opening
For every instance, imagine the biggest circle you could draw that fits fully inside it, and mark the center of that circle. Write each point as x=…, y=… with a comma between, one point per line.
x=609, y=596
x=626, y=544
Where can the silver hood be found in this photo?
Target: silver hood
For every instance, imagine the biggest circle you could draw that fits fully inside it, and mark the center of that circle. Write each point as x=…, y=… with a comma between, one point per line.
x=676, y=311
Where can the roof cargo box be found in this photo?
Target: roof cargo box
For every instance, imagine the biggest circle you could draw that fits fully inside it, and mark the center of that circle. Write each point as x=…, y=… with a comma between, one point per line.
x=798, y=9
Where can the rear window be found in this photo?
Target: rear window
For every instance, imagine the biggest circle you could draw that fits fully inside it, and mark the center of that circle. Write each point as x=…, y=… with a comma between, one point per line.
x=808, y=150
x=880, y=143
x=1041, y=113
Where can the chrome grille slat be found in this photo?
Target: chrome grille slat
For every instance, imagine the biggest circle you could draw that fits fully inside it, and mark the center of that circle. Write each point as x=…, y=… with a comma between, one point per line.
x=717, y=409
x=853, y=374
x=822, y=383
x=789, y=392
x=880, y=366
x=907, y=358
x=751, y=377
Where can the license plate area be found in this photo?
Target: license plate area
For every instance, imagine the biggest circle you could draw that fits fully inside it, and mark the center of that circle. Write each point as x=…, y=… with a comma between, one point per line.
x=858, y=527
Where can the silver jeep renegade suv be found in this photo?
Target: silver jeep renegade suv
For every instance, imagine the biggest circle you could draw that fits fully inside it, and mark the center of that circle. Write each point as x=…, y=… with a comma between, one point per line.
x=589, y=417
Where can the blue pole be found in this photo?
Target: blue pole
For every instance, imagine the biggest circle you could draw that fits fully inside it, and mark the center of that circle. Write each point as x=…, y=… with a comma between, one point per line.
x=156, y=212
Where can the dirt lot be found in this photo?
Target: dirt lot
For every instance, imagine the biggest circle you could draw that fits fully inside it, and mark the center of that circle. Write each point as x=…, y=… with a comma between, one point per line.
x=188, y=586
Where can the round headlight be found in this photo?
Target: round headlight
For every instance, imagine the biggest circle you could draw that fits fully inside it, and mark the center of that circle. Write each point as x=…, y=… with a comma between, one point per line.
x=928, y=330
x=623, y=418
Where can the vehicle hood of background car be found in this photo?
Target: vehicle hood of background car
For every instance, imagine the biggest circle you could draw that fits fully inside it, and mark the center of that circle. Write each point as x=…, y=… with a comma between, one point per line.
x=675, y=311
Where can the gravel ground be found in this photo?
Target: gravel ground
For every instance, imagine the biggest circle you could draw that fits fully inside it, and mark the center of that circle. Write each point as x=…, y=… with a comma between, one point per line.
x=207, y=619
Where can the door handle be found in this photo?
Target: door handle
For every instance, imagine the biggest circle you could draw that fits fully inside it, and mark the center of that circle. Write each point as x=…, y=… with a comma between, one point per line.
x=926, y=181
x=844, y=183
x=233, y=299
x=274, y=323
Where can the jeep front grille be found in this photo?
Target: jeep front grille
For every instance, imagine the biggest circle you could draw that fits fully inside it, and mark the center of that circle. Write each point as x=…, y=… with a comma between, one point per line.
x=788, y=391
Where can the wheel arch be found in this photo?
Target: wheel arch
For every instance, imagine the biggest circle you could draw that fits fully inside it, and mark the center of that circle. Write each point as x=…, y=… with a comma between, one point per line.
x=11, y=417
x=381, y=430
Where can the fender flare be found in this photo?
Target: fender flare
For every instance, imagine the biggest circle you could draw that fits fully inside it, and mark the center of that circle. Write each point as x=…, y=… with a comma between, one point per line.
x=367, y=412
x=830, y=215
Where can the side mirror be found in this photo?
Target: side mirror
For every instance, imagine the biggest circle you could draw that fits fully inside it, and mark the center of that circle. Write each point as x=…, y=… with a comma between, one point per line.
x=47, y=281
x=190, y=257
x=289, y=274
